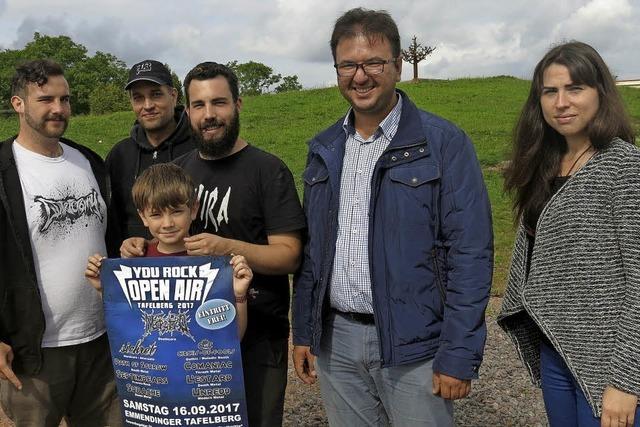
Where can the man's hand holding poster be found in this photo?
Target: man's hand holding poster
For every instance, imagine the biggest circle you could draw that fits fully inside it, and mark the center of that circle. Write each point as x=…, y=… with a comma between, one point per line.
x=174, y=341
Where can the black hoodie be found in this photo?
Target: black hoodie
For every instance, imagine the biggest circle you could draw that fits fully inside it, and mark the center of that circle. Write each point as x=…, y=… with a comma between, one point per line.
x=129, y=157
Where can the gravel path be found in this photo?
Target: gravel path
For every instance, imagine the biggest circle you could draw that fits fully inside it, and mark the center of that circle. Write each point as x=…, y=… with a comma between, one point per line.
x=503, y=396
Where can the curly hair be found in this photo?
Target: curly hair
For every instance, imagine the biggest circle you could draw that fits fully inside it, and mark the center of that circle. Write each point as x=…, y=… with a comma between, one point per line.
x=37, y=71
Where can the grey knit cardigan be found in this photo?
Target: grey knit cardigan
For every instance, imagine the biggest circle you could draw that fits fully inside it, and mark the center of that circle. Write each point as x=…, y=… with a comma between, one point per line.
x=583, y=287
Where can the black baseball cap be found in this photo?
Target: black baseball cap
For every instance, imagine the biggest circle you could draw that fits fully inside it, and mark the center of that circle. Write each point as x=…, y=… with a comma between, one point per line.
x=149, y=70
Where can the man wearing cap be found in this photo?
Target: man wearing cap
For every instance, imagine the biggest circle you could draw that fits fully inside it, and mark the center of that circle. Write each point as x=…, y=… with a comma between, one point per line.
x=248, y=206
x=159, y=134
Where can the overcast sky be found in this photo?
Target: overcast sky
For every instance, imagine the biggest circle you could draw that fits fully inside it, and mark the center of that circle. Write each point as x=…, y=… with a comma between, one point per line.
x=472, y=38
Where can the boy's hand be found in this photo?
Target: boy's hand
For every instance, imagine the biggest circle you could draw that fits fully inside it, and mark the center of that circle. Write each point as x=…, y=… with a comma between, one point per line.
x=133, y=247
x=92, y=273
x=242, y=275
x=206, y=244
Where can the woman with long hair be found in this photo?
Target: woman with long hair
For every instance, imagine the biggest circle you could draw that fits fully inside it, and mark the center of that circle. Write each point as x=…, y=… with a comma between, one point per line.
x=572, y=303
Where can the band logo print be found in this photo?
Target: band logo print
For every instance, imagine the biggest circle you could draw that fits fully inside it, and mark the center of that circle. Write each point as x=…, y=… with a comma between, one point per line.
x=145, y=67
x=210, y=211
x=58, y=211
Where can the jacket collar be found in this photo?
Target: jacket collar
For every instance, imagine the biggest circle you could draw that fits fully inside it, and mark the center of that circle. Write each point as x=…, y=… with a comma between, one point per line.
x=180, y=134
x=6, y=154
x=8, y=164
x=13, y=204
x=409, y=131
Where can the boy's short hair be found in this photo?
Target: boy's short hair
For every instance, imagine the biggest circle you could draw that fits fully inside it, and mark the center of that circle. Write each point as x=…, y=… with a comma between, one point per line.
x=163, y=186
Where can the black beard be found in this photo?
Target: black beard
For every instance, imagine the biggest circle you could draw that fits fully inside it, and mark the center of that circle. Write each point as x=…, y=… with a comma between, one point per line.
x=223, y=146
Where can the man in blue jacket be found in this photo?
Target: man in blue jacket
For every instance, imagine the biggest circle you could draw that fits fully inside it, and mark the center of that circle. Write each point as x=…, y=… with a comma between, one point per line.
x=397, y=266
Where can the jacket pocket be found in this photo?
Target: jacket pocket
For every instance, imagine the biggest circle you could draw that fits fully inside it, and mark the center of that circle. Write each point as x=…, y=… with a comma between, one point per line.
x=314, y=175
x=415, y=176
x=411, y=197
x=317, y=209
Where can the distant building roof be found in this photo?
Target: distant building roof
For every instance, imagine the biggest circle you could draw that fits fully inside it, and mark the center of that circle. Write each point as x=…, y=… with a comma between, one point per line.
x=632, y=83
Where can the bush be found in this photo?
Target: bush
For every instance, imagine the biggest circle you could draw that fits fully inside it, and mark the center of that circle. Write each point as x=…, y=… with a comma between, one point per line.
x=289, y=83
x=108, y=98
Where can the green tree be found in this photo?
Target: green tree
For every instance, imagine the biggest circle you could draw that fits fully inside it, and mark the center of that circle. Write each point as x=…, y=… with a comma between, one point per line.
x=289, y=83
x=8, y=59
x=108, y=98
x=61, y=49
x=92, y=73
x=84, y=73
x=416, y=53
x=176, y=83
x=254, y=78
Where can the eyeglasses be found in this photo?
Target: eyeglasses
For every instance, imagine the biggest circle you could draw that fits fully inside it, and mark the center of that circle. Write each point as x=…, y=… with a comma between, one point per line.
x=370, y=68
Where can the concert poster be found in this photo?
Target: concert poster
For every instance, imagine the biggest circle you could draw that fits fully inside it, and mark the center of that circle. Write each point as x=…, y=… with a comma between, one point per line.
x=174, y=342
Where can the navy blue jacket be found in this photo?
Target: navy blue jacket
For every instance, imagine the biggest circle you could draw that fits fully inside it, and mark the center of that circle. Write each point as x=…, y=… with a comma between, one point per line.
x=430, y=244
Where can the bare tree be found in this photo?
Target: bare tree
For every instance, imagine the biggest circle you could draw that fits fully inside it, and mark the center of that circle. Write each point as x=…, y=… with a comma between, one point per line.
x=416, y=53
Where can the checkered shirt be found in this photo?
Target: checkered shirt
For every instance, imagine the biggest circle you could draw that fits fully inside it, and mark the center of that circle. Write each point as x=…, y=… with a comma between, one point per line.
x=351, y=279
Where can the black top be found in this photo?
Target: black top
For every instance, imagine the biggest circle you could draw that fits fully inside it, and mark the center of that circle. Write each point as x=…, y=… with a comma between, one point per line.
x=531, y=221
x=248, y=196
x=129, y=158
x=530, y=225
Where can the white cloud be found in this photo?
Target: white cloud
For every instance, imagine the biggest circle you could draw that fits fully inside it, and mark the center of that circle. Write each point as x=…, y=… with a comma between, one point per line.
x=473, y=38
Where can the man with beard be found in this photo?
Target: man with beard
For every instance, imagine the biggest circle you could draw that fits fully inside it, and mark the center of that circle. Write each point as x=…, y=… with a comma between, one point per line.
x=248, y=206
x=160, y=134
x=54, y=354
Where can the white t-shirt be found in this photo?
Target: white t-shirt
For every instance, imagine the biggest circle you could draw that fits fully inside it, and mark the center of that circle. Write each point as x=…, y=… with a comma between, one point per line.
x=67, y=221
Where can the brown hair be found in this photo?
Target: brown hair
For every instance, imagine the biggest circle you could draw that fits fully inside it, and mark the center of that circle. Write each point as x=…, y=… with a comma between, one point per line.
x=211, y=70
x=163, y=186
x=371, y=23
x=538, y=148
x=37, y=72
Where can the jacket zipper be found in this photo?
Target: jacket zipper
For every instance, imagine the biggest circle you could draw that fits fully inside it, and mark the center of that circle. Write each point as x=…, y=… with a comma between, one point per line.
x=327, y=265
x=375, y=189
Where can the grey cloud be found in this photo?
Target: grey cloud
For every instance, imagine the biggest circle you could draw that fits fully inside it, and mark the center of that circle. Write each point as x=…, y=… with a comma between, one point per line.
x=488, y=38
x=127, y=44
x=473, y=38
x=106, y=36
x=49, y=26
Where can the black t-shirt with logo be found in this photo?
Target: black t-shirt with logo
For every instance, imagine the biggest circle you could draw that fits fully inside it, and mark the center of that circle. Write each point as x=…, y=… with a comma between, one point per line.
x=248, y=196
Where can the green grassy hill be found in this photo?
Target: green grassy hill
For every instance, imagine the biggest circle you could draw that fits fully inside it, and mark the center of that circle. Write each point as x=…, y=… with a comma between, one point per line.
x=282, y=123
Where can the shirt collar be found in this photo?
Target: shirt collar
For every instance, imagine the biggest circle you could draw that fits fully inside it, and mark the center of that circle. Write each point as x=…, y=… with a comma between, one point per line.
x=388, y=127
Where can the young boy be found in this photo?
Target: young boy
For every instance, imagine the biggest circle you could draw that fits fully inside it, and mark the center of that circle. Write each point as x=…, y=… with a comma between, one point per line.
x=166, y=202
